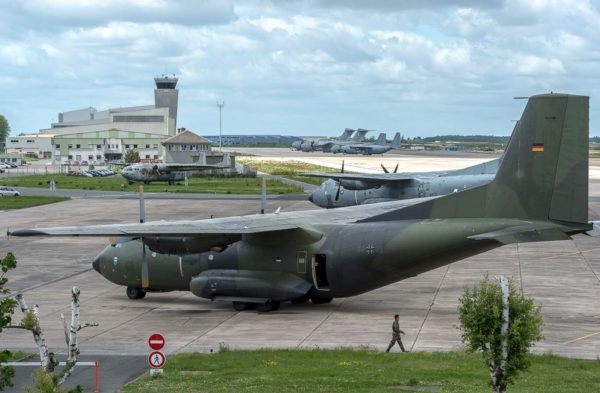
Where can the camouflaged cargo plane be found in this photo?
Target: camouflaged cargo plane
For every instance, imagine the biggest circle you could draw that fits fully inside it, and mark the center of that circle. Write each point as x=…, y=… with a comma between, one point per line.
x=540, y=193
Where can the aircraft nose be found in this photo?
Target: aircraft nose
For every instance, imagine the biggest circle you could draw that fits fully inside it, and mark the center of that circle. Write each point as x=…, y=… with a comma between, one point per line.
x=310, y=198
x=96, y=263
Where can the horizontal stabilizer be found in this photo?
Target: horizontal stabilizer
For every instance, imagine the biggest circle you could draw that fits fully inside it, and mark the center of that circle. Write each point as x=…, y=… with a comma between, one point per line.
x=523, y=234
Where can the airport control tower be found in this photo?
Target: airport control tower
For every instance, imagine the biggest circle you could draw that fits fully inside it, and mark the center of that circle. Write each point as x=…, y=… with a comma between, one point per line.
x=166, y=95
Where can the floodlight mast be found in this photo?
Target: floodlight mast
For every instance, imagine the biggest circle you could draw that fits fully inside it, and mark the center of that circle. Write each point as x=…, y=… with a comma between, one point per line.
x=220, y=105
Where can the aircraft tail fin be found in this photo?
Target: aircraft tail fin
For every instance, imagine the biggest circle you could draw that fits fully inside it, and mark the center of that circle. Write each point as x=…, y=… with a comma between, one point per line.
x=346, y=134
x=360, y=135
x=381, y=139
x=397, y=141
x=543, y=174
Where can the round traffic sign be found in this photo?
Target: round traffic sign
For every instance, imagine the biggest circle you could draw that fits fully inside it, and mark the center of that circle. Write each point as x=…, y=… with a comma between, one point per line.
x=156, y=359
x=156, y=341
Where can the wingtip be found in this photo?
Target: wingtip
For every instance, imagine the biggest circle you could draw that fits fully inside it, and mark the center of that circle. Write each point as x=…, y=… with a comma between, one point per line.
x=26, y=232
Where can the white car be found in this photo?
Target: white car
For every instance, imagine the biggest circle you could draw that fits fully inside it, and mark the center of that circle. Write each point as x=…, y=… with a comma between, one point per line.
x=8, y=191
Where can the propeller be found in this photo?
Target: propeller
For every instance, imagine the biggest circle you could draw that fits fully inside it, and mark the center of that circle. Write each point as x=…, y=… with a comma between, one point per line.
x=337, y=194
x=386, y=170
x=145, y=280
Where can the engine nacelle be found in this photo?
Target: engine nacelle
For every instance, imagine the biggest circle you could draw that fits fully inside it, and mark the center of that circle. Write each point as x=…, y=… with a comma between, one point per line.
x=190, y=245
x=249, y=284
x=357, y=185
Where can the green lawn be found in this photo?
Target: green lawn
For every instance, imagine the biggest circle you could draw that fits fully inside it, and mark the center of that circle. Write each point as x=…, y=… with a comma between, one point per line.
x=209, y=185
x=288, y=169
x=348, y=370
x=20, y=202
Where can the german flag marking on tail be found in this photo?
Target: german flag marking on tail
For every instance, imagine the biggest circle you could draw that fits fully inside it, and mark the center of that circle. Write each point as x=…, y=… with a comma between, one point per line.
x=537, y=147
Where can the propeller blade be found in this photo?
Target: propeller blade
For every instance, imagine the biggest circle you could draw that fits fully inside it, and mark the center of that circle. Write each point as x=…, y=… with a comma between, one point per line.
x=145, y=280
x=343, y=162
x=384, y=168
x=396, y=168
x=142, y=206
x=337, y=194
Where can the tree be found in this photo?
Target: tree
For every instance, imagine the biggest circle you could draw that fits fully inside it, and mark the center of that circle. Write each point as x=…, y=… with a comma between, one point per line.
x=481, y=320
x=7, y=309
x=132, y=156
x=4, y=128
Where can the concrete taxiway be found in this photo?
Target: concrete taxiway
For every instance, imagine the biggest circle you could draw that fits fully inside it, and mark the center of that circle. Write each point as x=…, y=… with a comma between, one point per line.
x=563, y=276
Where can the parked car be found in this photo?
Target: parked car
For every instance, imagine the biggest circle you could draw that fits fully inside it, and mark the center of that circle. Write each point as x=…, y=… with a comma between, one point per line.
x=80, y=174
x=84, y=163
x=8, y=191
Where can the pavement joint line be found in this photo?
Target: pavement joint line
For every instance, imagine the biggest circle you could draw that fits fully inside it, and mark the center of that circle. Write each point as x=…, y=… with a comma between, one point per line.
x=429, y=308
x=581, y=338
x=589, y=265
x=571, y=253
x=582, y=327
x=206, y=332
x=320, y=324
x=48, y=282
x=150, y=309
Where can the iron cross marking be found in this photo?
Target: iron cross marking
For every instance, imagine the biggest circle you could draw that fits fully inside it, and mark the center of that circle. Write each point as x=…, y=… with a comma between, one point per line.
x=370, y=249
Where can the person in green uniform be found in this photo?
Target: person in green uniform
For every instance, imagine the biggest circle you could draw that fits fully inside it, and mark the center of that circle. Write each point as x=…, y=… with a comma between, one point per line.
x=396, y=332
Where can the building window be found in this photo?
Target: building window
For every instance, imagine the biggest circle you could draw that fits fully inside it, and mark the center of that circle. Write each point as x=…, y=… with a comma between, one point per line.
x=127, y=146
x=156, y=156
x=98, y=157
x=78, y=146
x=98, y=146
x=70, y=146
x=147, y=146
x=70, y=157
x=14, y=141
x=147, y=155
x=184, y=147
x=135, y=146
x=57, y=146
x=90, y=157
x=169, y=147
x=193, y=147
x=156, y=146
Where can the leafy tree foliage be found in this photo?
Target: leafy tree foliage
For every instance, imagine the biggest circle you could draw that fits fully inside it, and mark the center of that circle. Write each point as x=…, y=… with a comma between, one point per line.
x=7, y=307
x=480, y=316
x=132, y=156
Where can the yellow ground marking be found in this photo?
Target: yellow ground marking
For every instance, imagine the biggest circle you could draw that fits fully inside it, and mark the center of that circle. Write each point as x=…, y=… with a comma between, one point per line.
x=581, y=338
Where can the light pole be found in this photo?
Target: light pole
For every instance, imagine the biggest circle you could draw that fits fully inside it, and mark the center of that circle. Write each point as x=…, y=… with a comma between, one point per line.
x=220, y=105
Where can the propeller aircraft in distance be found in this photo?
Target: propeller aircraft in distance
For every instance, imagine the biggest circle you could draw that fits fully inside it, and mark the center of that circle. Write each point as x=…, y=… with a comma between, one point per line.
x=540, y=193
x=149, y=172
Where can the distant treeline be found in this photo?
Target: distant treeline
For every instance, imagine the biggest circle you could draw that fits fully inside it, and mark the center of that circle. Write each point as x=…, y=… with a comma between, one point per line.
x=471, y=139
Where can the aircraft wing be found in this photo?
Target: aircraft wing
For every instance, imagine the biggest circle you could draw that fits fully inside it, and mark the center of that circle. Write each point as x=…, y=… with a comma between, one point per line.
x=368, y=177
x=187, y=167
x=238, y=226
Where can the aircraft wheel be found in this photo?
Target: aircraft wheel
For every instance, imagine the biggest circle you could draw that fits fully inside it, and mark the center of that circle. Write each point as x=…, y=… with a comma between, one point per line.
x=135, y=293
x=241, y=306
x=268, y=306
x=321, y=300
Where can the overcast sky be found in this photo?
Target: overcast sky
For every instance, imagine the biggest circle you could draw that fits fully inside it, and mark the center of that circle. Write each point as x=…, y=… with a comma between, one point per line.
x=421, y=67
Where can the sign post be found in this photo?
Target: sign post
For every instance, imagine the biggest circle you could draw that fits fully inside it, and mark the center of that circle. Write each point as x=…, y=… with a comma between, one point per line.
x=156, y=359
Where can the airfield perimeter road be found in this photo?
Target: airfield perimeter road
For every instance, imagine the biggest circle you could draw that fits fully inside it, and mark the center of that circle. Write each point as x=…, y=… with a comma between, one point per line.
x=563, y=276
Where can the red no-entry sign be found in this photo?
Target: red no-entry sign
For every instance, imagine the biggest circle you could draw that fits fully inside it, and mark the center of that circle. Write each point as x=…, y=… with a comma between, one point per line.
x=156, y=341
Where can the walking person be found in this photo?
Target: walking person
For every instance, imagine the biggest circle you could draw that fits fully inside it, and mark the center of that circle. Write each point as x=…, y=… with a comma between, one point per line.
x=396, y=332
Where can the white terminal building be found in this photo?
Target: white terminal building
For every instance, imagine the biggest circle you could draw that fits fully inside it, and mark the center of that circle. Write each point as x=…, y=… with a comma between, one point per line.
x=99, y=136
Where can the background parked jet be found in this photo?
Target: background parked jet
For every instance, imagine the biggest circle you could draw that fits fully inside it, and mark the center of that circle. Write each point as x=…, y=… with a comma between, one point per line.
x=336, y=147
x=308, y=145
x=540, y=193
x=170, y=173
x=379, y=147
x=349, y=189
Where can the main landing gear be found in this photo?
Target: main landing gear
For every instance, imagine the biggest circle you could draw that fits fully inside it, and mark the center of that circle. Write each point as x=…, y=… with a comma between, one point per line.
x=135, y=293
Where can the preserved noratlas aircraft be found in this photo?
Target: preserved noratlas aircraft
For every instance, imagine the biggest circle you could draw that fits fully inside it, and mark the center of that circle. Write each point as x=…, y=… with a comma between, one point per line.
x=540, y=193
x=350, y=189
x=148, y=172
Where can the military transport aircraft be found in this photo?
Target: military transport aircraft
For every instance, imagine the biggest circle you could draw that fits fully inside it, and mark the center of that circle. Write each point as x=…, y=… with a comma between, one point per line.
x=349, y=189
x=540, y=193
x=147, y=172
x=379, y=147
x=308, y=145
